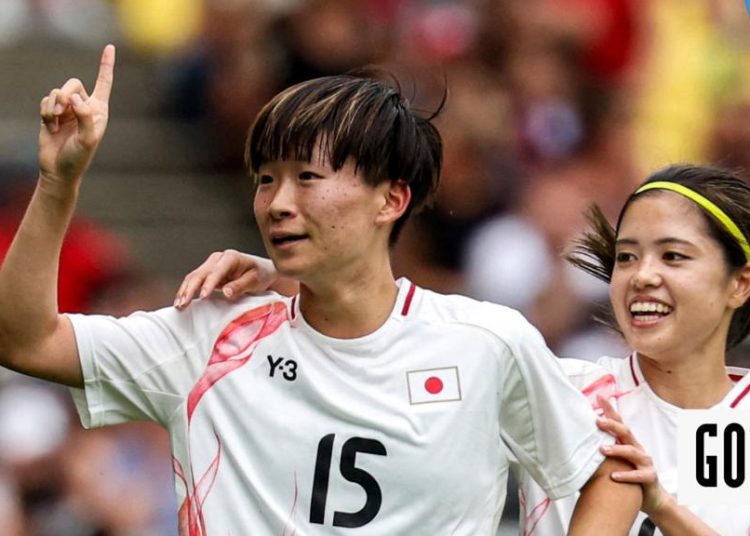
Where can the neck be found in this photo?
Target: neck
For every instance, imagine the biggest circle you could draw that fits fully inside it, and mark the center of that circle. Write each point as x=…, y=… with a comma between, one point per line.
x=350, y=307
x=697, y=382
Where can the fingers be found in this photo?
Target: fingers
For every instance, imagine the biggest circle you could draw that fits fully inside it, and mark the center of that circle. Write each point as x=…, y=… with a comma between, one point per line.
x=187, y=291
x=643, y=473
x=247, y=283
x=106, y=76
x=618, y=430
x=195, y=281
x=51, y=108
x=635, y=455
x=219, y=272
x=636, y=476
x=189, y=288
x=234, y=272
x=58, y=106
x=72, y=87
x=49, y=119
x=85, y=119
x=609, y=410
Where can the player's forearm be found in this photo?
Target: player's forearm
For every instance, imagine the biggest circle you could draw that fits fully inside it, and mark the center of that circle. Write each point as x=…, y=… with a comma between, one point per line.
x=606, y=506
x=28, y=277
x=675, y=520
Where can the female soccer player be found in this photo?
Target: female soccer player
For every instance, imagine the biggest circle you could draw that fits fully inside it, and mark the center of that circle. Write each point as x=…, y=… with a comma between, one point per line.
x=677, y=264
x=361, y=406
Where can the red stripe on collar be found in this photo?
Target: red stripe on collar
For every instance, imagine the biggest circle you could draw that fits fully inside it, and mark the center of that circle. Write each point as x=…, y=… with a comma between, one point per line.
x=407, y=301
x=739, y=398
x=632, y=371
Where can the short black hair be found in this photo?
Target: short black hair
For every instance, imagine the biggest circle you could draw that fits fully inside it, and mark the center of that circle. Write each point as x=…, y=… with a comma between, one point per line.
x=357, y=116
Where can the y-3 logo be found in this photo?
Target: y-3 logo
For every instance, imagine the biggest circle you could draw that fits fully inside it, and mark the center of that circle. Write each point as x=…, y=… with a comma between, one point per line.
x=287, y=368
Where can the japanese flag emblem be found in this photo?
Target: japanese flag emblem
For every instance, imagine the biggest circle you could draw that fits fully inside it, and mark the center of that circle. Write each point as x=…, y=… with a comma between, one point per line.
x=433, y=385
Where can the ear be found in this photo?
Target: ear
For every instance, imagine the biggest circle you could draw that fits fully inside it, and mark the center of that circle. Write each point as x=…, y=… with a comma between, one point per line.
x=741, y=288
x=394, y=201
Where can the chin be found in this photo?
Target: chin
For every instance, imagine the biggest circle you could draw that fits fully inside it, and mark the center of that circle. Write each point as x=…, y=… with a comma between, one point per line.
x=649, y=345
x=287, y=269
x=292, y=268
x=656, y=352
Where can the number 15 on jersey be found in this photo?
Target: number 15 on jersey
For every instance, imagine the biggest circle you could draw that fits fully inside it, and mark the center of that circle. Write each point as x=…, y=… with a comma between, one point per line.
x=350, y=472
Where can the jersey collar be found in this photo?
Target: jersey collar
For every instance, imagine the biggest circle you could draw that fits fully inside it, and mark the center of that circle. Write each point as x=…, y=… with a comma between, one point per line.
x=740, y=393
x=405, y=305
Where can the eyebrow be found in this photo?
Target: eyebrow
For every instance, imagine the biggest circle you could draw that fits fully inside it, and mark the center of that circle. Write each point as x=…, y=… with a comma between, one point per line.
x=660, y=242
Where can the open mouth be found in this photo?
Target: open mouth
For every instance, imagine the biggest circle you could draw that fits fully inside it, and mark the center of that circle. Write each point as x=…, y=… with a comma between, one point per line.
x=287, y=239
x=649, y=311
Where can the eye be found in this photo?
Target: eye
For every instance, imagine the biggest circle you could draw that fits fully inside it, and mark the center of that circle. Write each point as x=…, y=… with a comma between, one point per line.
x=624, y=256
x=308, y=175
x=674, y=256
x=265, y=179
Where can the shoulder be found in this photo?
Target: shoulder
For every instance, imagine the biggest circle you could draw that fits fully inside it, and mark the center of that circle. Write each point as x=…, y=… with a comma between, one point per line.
x=217, y=306
x=627, y=373
x=583, y=371
x=462, y=310
x=590, y=378
x=470, y=317
x=201, y=318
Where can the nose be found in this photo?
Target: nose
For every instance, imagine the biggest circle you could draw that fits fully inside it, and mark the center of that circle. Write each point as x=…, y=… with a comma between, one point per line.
x=645, y=275
x=280, y=201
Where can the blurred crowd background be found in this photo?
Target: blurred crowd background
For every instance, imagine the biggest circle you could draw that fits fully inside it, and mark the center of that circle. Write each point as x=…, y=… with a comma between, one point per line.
x=553, y=105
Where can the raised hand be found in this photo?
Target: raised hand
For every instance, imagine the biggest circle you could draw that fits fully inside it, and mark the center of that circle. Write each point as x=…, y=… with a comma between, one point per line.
x=234, y=272
x=73, y=124
x=654, y=495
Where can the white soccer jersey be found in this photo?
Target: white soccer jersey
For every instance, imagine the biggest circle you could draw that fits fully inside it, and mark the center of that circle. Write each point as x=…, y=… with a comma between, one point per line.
x=277, y=429
x=653, y=422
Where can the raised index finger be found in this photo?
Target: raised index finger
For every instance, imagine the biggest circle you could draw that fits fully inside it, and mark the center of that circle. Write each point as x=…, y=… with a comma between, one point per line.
x=106, y=75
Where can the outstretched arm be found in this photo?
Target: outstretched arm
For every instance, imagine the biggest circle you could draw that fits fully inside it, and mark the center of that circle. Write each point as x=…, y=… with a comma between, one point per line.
x=34, y=338
x=660, y=506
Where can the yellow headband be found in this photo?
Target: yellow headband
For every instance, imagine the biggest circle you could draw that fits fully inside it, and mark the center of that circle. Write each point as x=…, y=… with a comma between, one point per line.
x=708, y=205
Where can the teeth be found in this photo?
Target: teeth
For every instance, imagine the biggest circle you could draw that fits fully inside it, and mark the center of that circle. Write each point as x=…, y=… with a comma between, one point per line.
x=649, y=307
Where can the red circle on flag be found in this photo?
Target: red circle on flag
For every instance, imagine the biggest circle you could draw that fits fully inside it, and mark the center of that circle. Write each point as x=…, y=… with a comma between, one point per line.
x=433, y=385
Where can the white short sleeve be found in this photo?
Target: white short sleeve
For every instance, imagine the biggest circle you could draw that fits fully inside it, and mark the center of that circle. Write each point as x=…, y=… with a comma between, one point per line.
x=142, y=367
x=547, y=423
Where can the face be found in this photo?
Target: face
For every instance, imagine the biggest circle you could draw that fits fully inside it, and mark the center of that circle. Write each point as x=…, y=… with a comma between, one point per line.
x=671, y=289
x=319, y=224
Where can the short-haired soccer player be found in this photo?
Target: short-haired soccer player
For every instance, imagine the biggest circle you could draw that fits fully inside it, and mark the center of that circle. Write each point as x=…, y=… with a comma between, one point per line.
x=365, y=405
